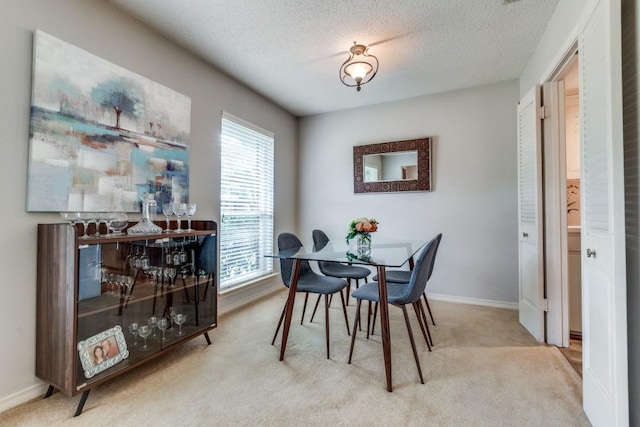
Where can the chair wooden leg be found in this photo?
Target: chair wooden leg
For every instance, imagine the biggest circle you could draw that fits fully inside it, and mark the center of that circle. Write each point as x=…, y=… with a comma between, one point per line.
x=368, y=318
x=375, y=313
x=413, y=343
x=304, y=307
x=421, y=323
x=426, y=322
x=326, y=321
x=279, y=324
x=344, y=310
x=206, y=288
x=355, y=328
x=315, y=308
x=184, y=286
x=426, y=301
x=348, y=289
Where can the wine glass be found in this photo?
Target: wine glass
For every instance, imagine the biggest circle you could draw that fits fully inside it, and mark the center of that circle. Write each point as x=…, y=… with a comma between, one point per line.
x=144, y=331
x=180, y=318
x=107, y=218
x=85, y=218
x=179, y=209
x=119, y=223
x=163, y=324
x=170, y=274
x=153, y=323
x=133, y=330
x=191, y=210
x=128, y=282
x=172, y=314
x=144, y=259
x=167, y=211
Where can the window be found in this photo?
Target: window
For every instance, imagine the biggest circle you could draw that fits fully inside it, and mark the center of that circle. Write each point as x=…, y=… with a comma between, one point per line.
x=246, y=202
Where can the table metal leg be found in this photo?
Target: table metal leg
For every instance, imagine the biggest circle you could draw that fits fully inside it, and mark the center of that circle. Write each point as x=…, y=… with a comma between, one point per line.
x=384, y=324
x=293, y=286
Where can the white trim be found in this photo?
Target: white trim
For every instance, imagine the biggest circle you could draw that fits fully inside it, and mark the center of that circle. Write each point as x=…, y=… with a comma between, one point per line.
x=26, y=394
x=473, y=301
x=567, y=44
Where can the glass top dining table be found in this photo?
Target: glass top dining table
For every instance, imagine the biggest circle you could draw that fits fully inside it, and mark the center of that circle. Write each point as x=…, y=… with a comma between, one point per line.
x=390, y=253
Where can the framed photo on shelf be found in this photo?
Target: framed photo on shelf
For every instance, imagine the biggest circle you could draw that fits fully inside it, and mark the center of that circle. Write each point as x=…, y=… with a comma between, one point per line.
x=102, y=351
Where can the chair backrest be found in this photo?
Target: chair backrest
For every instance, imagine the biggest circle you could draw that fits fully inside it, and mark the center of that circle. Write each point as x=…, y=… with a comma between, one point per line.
x=433, y=259
x=206, y=258
x=290, y=241
x=320, y=239
x=420, y=274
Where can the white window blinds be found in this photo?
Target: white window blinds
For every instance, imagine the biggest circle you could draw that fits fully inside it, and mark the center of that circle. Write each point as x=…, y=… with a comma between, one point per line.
x=246, y=202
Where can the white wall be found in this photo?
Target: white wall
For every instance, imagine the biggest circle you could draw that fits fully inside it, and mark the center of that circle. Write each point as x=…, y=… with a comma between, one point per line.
x=558, y=37
x=102, y=30
x=474, y=202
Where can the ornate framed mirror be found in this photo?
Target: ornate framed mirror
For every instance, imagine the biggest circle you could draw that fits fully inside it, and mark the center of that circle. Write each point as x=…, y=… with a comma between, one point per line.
x=392, y=166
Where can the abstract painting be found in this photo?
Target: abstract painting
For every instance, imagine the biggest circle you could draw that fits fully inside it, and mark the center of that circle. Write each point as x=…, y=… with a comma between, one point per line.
x=101, y=136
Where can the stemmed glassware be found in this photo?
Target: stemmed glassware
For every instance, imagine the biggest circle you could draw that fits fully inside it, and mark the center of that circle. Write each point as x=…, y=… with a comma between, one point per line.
x=180, y=318
x=163, y=324
x=133, y=330
x=179, y=209
x=107, y=218
x=153, y=323
x=144, y=331
x=85, y=218
x=191, y=210
x=172, y=315
x=167, y=211
x=71, y=217
x=119, y=223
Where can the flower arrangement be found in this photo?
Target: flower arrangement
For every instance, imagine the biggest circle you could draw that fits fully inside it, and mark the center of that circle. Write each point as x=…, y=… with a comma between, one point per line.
x=362, y=227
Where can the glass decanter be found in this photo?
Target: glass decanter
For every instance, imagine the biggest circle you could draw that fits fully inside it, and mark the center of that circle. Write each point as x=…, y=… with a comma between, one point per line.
x=146, y=225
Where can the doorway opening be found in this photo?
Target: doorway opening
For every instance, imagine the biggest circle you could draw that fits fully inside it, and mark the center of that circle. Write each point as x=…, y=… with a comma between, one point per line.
x=563, y=227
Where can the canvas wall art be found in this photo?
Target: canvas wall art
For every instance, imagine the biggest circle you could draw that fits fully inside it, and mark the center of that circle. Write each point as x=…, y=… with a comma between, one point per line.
x=100, y=135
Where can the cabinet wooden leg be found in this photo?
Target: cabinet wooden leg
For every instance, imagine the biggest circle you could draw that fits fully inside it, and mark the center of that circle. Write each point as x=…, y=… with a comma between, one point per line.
x=83, y=400
x=206, y=337
x=49, y=391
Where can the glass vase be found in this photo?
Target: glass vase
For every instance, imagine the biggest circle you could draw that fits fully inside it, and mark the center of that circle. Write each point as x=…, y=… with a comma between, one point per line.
x=363, y=244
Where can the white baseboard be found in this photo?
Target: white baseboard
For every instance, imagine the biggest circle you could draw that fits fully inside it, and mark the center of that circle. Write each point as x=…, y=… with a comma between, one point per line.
x=32, y=392
x=474, y=301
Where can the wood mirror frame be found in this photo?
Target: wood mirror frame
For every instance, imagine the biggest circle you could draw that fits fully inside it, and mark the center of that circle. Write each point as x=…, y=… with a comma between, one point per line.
x=423, y=183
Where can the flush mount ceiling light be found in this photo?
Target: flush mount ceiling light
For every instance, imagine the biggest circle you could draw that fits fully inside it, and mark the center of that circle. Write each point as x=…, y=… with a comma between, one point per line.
x=360, y=68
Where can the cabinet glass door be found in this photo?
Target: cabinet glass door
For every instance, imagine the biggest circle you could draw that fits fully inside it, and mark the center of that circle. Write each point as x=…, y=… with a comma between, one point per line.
x=138, y=297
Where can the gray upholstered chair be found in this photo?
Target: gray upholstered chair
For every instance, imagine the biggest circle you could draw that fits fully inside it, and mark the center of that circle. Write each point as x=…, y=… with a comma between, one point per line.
x=334, y=269
x=400, y=295
x=206, y=262
x=403, y=276
x=309, y=282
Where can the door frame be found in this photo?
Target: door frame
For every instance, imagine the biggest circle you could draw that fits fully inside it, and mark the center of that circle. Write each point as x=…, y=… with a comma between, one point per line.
x=555, y=221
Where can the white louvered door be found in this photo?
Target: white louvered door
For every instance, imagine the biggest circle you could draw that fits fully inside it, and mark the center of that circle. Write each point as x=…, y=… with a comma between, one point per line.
x=604, y=309
x=530, y=240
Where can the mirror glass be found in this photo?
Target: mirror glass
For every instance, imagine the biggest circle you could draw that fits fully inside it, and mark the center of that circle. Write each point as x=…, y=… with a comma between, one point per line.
x=391, y=166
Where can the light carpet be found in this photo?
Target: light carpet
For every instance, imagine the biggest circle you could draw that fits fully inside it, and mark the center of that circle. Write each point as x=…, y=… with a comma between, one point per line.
x=485, y=370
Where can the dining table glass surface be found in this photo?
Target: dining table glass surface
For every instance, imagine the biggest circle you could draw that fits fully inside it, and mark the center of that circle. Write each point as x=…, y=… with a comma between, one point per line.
x=386, y=253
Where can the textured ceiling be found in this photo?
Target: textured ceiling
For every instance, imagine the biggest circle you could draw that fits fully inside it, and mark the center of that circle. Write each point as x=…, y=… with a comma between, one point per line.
x=290, y=50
